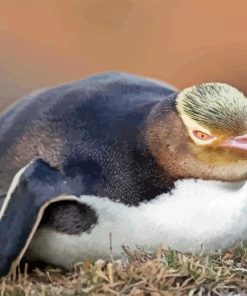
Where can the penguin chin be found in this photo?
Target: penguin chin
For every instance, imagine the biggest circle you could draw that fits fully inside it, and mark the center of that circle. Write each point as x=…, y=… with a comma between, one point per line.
x=215, y=171
x=220, y=164
x=189, y=161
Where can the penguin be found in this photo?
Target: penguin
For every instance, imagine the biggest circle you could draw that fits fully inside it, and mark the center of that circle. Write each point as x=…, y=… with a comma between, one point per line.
x=122, y=154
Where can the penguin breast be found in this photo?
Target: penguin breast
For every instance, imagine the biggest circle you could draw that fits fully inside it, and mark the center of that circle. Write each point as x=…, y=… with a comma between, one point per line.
x=196, y=215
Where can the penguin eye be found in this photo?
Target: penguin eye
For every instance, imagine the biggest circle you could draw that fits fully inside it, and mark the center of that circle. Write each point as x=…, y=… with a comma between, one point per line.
x=202, y=136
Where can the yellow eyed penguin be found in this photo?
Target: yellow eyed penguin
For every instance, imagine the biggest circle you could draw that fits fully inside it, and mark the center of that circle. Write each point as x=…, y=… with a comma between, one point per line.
x=122, y=154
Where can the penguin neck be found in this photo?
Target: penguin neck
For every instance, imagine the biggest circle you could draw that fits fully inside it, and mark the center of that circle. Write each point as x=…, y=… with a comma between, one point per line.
x=162, y=126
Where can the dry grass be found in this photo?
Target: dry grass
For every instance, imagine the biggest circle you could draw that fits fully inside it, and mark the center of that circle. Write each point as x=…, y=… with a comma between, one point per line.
x=139, y=273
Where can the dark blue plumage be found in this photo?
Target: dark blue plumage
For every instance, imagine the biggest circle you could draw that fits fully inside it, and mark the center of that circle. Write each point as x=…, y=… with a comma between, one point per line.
x=94, y=128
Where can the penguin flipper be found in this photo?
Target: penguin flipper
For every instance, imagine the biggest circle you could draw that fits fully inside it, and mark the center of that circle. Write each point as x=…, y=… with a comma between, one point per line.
x=32, y=190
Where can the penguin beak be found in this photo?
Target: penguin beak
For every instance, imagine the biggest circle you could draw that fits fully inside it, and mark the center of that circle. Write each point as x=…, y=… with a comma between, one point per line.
x=239, y=143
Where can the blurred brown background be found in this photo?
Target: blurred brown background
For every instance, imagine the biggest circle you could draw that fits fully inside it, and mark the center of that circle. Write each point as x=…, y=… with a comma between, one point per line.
x=182, y=42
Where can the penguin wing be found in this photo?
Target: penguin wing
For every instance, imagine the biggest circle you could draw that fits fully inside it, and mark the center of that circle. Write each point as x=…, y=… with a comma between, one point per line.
x=32, y=190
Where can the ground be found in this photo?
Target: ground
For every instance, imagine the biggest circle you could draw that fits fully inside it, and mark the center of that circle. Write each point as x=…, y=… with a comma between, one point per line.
x=139, y=273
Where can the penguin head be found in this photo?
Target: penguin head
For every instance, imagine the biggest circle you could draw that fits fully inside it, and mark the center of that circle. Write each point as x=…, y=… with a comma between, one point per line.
x=207, y=138
x=215, y=114
x=215, y=118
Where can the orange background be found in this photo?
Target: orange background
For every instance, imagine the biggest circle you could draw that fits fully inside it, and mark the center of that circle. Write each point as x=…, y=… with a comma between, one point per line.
x=182, y=42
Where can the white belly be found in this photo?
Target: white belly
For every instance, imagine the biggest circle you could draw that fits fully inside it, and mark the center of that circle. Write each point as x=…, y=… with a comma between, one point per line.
x=196, y=213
